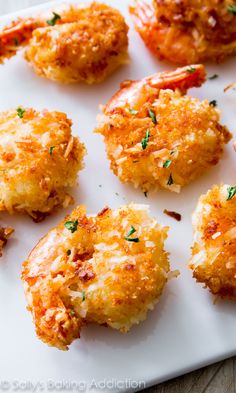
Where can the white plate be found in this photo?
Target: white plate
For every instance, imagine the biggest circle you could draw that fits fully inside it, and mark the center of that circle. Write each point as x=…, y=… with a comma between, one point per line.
x=186, y=330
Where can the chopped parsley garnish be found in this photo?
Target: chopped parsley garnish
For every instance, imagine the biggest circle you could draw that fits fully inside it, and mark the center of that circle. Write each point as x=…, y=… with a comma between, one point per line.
x=170, y=181
x=130, y=233
x=191, y=69
x=232, y=9
x=213, y=103
x=68, y=252
x=152, y=115
x=211, y=78
x=145, y=194
x=53, y=21
x=51, y=149
x=231, y=192
x=20, y=112
x=144, y=141
x=16, y=42
x=133, y=111
x=71, y=225
x=167, y=163
x=83, y=296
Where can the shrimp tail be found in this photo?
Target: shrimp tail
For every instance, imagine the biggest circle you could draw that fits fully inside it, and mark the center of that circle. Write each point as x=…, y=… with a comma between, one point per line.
x=145, y=22
x=132, y=93
x=16, y=35
x=182, y=78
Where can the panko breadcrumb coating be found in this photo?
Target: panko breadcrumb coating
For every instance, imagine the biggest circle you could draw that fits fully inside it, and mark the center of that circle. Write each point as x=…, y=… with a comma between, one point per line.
x=77, y=43
x=39, y=159
x=5, y=233
x=187, y=31
x=214, y=251
x=106, y=269
x=156, y=136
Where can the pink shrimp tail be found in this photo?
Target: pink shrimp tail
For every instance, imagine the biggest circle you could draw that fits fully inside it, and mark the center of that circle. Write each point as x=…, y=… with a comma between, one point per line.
x=182, y=78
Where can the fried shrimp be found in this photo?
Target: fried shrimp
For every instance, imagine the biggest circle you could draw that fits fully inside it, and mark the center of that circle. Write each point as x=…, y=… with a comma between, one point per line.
x=214, y=251
x=187, y=31
x=39, y=159
x=156, y=136
x=75, y=44
x=106, y=269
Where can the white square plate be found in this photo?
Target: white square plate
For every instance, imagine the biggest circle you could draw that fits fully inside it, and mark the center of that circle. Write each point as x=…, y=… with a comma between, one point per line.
x=186, y=330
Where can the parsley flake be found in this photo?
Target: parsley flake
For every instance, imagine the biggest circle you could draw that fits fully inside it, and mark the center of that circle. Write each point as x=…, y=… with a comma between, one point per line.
x=20, y=112
x=191, y=69
x=152, y=115
x=133, y=111
x=213, y=103
x=71, y=225
x=232, y=8
x=51, y=149
x=83, y=296
x=167, y=163
x=145, y=194
x=145, y=140
x=130, y=233
x=231, y=192
x=170, y=181
x=53, y=21
x=215, y=76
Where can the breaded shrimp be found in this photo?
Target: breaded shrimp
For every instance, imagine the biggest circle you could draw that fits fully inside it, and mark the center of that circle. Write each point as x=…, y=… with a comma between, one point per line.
x=5, y=233
x=39, y=159
x=156, y=136
x=76, y=43
x=187, y=31
x=108, y=269
x=214, y=251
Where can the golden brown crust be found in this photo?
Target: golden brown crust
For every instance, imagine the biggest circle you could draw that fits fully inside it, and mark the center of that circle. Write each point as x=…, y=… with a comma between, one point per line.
x=214, y=251
x=39, y=159
x=187, y=31
x=183, y=139
x=95, y=274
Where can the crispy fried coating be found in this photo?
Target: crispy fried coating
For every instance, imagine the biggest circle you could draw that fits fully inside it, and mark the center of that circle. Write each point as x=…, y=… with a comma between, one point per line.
x=156, y=136
x=5, y=233
x=83, y=43
x=39, y=159
x=106, y=269
x=187, y=31
x=214, y=251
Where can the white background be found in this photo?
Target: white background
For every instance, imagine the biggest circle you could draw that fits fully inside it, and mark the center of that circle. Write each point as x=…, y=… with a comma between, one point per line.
x=14, y=5
x=186, y=330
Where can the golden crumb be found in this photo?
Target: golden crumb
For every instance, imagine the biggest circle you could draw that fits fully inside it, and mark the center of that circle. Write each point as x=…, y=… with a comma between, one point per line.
x=5, y=233
x=214, y=251
x=36, y=166
x=82, y=44
x=108, y=269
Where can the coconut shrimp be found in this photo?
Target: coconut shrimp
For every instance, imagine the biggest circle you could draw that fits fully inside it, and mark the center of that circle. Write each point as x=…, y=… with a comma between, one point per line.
x=187, y=31
x=108, y=269
x=39, y=160
x=214, y=251
x=156, y=136
x=76, y=43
